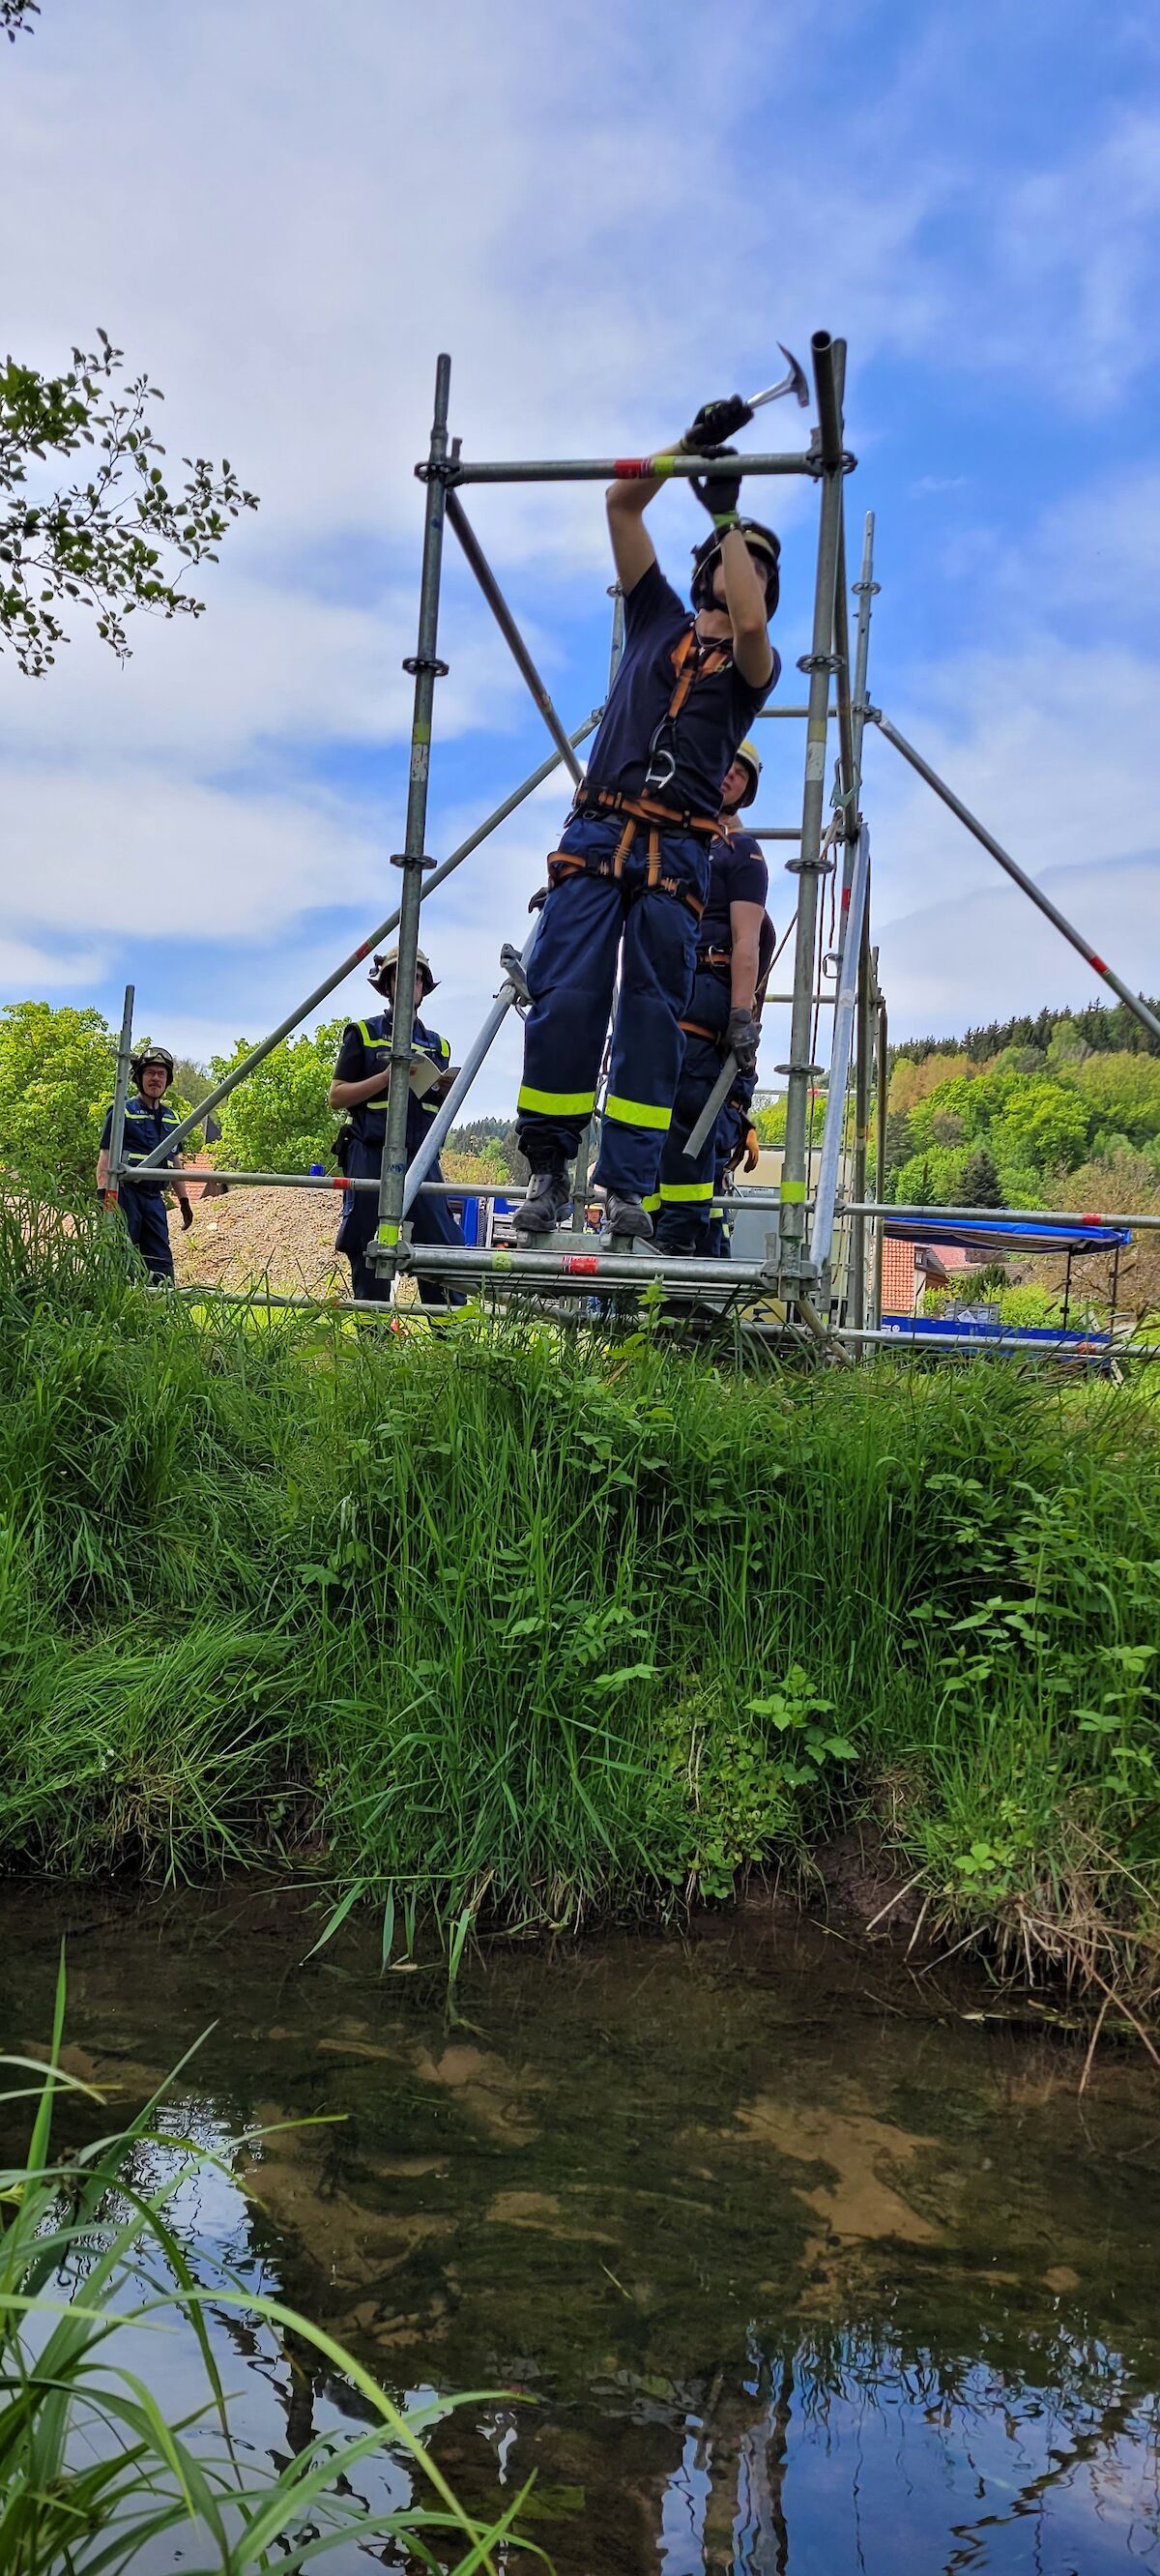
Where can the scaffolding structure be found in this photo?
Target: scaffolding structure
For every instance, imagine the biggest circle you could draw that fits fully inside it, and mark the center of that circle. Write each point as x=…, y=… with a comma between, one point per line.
x=818, y=1232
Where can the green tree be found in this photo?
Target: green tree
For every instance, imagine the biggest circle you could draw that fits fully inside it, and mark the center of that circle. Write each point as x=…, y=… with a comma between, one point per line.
x=57, y=1070
x=279, y=1119
x=1043, y=1127
x=981, y=1185
x=119, y=537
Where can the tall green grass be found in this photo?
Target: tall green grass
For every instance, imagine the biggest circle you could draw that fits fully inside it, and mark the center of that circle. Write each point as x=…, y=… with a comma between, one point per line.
x=506, y=1620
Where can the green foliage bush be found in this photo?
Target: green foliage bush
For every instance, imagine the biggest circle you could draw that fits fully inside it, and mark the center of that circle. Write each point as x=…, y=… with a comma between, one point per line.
x=279, y=1118
x=503, y=1618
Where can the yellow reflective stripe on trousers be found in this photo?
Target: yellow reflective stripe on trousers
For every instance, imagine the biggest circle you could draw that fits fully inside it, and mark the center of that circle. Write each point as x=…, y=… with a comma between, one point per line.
x=556, y=1104
x=637, y=1113
x=673, y=1192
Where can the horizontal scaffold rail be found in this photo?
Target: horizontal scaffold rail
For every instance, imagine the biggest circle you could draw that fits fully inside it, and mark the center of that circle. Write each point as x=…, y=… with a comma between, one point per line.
x=614, y=469
x=513, y=1192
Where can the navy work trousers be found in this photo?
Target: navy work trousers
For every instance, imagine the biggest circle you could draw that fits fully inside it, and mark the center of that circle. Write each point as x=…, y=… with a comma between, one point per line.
x=588, y=922
x=431, y=1222
x=686, y=1182
x=147, y=1218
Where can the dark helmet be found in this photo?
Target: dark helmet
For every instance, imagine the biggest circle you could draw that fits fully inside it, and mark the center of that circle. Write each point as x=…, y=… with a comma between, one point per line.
x=384, y=967
x=151, y=1055
x=762, y=544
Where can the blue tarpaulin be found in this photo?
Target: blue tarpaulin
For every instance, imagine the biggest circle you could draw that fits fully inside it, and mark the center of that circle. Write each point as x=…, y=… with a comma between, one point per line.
x=980, y=1234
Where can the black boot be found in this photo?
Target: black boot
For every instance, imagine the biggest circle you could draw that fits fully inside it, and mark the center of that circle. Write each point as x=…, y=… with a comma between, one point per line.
x=546, y=1204
x=627, y=1216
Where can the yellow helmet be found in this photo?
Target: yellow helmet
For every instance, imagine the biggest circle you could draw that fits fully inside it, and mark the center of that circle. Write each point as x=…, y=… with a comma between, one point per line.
x=749, y=757
x=385, y=965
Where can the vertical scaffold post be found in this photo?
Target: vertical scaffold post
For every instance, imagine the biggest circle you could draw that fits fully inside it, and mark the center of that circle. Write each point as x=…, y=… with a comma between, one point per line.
x=427, y=668
x=865, y=590
x=808, y=866
x=881, y=1053
x=120, y=1096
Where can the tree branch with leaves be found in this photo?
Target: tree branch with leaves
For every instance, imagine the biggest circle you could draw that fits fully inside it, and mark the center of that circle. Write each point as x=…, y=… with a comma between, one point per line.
x=120, y=539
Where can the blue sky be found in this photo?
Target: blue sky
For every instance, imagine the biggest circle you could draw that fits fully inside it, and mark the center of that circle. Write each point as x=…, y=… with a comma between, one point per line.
x=284, y=212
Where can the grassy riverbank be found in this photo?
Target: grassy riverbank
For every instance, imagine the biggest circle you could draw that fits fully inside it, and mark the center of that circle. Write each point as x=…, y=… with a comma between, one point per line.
x=502, y=1622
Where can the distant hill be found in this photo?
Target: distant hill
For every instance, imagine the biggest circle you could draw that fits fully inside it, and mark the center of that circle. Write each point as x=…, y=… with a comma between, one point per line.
x=1102, y=1029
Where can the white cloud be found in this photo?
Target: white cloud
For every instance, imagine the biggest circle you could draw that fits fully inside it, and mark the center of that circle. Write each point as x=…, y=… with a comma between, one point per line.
x=287, y=210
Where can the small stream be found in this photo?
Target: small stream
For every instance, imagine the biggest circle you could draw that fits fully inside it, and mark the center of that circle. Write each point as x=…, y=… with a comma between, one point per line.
x=801, y=2262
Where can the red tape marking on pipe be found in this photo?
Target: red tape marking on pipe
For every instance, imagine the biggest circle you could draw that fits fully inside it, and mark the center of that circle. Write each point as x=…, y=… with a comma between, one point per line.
x=1098, y=963
x=632, y=469
x=582, y=1263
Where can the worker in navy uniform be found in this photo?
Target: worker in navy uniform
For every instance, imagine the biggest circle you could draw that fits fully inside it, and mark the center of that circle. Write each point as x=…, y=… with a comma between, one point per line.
x=735, y=942
x=360, y=1085
x=148, y=1121
x=735, y=1141
x=631, y=873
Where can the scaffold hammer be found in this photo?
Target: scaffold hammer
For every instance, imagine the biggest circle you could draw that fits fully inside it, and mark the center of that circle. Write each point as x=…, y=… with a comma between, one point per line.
x=794, y=383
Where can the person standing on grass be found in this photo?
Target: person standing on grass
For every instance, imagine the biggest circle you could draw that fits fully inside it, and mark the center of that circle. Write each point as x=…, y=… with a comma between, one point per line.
x=362, y=1079
x=147, y=1123
x=630, y=876
x=735, y=943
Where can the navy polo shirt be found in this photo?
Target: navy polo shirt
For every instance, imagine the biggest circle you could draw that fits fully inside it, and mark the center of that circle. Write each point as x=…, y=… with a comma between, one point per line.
x=716, y=715
x=366, y=1049
x=146, y=1126
x=737, y=874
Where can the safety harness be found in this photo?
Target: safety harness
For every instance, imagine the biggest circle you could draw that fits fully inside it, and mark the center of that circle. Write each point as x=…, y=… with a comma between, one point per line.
x=690, y=664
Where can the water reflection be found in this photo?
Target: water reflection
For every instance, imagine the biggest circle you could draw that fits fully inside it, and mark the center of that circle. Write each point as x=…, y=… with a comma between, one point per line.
x=790, y=2275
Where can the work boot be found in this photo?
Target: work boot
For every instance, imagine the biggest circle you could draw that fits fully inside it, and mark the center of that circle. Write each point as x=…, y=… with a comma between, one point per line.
x=546, y=1204
x=627, y=1216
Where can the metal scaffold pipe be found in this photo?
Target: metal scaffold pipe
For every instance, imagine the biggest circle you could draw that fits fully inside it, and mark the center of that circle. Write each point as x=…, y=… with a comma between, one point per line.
x=864, y=591
x=1133, y=1002
x=612, y=469
x=120, y=1096
x=809, y=866
x=510, y=631
x=427, y=668
x=847, y=999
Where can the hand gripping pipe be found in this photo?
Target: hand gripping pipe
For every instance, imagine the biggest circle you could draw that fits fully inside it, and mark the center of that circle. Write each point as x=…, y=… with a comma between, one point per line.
x=1133, y=1002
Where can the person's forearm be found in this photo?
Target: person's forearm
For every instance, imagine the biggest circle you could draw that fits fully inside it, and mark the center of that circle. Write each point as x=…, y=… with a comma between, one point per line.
x=633, y=496
x=743, y=975
x=103, y=1168
x=179, y=1186
x=350, y=1095
x=744, y=588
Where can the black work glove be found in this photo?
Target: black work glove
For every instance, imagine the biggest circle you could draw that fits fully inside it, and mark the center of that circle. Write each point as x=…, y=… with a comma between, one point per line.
x=720, y=494
x=741, y=1039
x=715, y=420
x=186, y=1206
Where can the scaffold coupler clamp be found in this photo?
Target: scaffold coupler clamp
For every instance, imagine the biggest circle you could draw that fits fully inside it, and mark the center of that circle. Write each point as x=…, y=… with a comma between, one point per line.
x=410, y=859
x=513, y=967
x=416, y=662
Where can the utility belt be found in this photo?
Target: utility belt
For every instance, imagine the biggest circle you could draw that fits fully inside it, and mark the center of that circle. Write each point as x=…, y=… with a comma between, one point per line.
x=596, y=805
